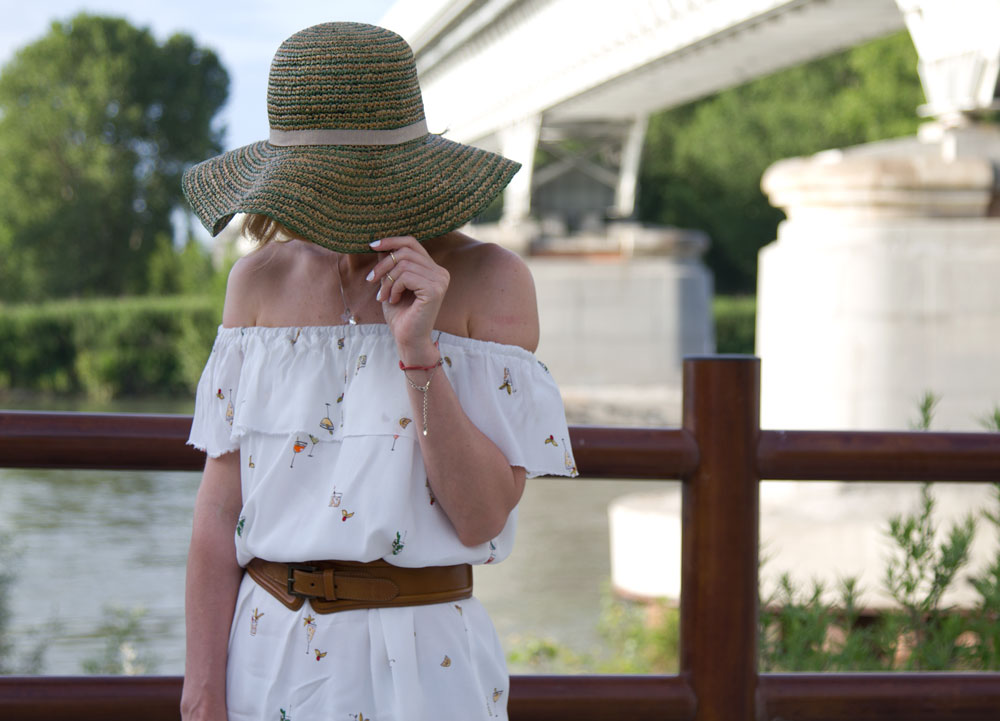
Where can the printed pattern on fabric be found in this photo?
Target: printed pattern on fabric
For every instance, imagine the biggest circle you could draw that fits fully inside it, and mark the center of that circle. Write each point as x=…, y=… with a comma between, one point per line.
x=332, y=469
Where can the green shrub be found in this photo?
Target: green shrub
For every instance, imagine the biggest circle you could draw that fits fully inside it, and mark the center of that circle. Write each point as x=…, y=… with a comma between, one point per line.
x=107, y=348
x=735, y=317
x=637, y=637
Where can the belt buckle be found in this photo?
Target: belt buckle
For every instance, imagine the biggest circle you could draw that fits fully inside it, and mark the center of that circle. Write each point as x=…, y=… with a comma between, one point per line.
x=292, y=568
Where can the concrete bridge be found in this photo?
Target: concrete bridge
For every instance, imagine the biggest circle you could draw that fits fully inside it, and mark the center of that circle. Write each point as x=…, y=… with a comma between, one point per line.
x=509, y=74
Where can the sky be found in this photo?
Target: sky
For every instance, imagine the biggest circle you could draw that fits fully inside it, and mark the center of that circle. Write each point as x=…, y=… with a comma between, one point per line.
x=244, y=34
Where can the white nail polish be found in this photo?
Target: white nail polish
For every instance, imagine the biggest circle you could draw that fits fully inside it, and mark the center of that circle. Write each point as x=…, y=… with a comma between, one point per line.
x=375, y=243
x=378, y=296
x=371, y=274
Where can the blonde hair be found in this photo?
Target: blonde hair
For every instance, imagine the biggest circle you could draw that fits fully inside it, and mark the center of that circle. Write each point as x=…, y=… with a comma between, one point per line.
x=264, y=229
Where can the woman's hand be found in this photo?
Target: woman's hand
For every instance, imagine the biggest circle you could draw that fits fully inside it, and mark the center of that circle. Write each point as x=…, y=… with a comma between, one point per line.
x=411, y=287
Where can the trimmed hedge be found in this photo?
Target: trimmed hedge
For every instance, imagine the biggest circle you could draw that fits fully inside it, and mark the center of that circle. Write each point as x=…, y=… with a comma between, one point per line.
x=735, y=319
x=158, y=345
x=110, y=347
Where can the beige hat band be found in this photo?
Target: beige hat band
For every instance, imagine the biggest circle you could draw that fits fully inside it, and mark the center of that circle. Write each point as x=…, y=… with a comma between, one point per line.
x=349, y=136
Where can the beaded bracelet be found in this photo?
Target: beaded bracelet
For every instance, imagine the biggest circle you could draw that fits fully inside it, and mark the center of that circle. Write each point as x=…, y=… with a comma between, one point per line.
x=426, y=386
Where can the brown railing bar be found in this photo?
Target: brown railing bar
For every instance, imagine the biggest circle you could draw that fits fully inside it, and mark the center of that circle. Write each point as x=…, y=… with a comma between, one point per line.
x=599, y=698
x=641, y=453
x=532, y=698
x=108, y=441
x=878, y=456
x=924, y=696
x=90, y=698
x=115, y=441
x=803, y=697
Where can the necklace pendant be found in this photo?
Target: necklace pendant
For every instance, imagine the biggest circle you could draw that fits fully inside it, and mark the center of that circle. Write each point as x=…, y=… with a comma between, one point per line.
x=349, y=317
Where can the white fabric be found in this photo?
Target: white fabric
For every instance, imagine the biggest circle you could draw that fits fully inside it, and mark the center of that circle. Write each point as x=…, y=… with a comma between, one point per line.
x=331, y=469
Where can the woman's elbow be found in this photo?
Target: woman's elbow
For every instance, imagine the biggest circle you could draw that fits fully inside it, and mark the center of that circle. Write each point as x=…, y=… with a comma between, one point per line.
x=481, y=531
x=487, y=524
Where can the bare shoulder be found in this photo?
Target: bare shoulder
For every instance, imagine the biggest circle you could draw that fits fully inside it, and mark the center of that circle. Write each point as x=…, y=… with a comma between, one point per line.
x=246, y=286
x=496, y=287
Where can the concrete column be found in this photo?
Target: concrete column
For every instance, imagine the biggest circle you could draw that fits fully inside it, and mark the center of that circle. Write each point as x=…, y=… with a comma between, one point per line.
x=881, y=286
x=518, y=142
x=959, y=50
x=628, y=173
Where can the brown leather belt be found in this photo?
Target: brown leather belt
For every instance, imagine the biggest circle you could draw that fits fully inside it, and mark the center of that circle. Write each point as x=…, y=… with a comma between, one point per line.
x=334, y=586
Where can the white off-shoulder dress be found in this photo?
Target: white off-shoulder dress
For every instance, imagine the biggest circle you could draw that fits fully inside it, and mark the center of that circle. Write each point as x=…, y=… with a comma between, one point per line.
x=331, y=469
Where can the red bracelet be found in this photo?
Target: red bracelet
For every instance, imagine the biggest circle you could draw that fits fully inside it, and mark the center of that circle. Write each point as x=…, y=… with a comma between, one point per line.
x=420, y=368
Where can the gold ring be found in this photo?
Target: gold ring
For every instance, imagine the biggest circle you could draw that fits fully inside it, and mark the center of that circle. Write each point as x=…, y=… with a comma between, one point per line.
x=389, y=277
x=393, y=256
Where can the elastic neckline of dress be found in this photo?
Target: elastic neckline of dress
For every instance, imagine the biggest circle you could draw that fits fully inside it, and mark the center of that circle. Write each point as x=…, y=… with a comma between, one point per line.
x=376, y=330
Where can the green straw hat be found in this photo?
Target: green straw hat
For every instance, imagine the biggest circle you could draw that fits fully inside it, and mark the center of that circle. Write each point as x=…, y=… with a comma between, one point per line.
x=349, y=159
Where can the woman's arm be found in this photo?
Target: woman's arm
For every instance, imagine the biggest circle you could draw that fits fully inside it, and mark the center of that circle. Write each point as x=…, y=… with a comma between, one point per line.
x=213, y=580
x=470, y=477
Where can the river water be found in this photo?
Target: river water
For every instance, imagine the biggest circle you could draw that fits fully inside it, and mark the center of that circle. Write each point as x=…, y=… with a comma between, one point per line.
x=90, y=539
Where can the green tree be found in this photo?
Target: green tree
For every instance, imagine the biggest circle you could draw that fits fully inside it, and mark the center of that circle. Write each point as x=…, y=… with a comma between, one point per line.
x=97, y=123
x=703, y=162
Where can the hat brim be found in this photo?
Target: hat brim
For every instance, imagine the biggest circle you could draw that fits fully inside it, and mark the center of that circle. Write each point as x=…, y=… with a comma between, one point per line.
x=343, y=197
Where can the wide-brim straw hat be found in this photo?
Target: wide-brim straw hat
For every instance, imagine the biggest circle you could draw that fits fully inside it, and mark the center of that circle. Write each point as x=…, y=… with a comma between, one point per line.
x=349, y=159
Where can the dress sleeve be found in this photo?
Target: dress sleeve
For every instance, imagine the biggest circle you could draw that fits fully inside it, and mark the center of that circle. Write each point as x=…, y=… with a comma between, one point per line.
x=215, y=400
x=511, y=397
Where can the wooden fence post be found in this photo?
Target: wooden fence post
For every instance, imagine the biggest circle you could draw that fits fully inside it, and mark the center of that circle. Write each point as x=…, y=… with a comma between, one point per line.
x=719, y=598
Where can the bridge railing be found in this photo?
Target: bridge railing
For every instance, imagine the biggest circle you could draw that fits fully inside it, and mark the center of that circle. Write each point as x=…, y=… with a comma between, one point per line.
x=720, y=453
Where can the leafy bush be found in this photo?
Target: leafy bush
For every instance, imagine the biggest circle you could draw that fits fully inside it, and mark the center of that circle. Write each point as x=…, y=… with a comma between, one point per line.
x=800, y=634
x=735, y=319
x=107, y=348
x=638, y=638
x=125, y=645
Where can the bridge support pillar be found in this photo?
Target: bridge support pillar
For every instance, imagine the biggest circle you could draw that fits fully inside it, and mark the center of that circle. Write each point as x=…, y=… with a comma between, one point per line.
x=518, y=141
x=628, y=173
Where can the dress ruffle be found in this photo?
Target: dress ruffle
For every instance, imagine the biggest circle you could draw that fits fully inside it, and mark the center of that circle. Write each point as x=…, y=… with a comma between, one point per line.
x=330, y=458
x=338, y=382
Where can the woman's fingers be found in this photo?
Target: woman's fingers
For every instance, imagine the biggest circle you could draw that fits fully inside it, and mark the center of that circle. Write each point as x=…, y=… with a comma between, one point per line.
x=389, y=262
x=425, y=281
x=403, y=256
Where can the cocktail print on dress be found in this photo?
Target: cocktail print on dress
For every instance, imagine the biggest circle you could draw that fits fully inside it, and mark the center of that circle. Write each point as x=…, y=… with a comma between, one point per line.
x=568, y=460
x=253, y=621
x=398, y=544
x=508, y=383
x=297, y=448
x=325, y=423
x=310, y=624
x=230, y=411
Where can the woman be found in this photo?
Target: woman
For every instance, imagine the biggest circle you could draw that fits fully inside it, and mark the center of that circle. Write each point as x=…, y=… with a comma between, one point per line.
x=370, y=410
